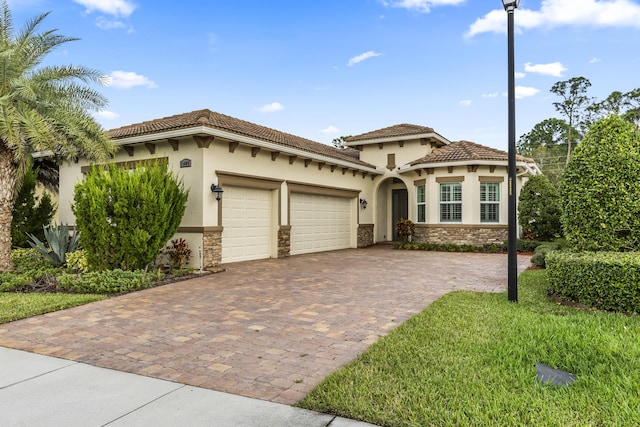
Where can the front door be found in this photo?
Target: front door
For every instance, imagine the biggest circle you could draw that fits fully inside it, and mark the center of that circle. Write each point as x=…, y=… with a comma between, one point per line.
x=399, y=207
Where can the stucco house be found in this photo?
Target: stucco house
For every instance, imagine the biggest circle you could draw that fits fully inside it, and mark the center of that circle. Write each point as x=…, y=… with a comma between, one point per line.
x=285, y=195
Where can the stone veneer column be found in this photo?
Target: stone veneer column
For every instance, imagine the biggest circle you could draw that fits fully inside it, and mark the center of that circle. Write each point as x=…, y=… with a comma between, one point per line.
x=212, y=248
x=284, y=241
x=365, y=235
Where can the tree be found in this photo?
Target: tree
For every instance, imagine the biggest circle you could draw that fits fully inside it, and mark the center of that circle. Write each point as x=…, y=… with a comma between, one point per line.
x=600, y=189
x=546, y=143
x=573, y=106
x=340, y=142
x=125, y=218
x=43, y=108
x=30, y=212
x=539, y=209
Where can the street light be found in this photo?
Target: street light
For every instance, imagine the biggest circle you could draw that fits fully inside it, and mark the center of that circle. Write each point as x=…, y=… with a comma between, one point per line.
x=512, y=258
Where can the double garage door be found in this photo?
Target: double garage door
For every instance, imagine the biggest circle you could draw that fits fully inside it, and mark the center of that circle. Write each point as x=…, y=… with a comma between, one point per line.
x=318, y=223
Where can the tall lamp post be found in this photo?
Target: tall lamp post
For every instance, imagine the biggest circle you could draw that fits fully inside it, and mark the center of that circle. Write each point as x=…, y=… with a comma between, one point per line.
x=512, y=284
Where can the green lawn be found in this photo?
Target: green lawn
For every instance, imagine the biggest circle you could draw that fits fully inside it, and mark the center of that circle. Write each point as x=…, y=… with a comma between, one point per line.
x=14, y=306
x=469, y=359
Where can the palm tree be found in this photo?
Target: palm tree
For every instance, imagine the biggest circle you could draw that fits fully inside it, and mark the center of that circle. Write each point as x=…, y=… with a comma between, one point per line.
x=42, y=109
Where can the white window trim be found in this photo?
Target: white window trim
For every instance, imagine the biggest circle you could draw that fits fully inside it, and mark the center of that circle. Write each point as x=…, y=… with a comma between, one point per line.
x=490, y=202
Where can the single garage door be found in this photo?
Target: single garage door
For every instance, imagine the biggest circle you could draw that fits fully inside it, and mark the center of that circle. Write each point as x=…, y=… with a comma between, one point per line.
x=319, y=223
x=246, y=221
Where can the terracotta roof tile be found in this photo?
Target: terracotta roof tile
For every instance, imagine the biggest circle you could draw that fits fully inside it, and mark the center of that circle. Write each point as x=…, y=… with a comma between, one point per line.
x=391, y=132
x=465, y=151
x=219, y=121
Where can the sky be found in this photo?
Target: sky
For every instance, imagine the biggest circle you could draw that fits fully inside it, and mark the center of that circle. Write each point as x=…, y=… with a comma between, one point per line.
x=331, y=68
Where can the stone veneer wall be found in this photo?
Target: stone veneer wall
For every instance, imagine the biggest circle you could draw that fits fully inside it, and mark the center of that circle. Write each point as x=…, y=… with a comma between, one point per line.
x=212, y=248
x=284, y=241
x=365, y=235
x=460, y=234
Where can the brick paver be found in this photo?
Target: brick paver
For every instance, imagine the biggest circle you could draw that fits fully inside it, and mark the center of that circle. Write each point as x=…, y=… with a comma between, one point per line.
x=268, y=329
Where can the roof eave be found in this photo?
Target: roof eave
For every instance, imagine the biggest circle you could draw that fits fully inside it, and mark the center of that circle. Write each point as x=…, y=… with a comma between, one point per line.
x=528, y=168
x=205, y=130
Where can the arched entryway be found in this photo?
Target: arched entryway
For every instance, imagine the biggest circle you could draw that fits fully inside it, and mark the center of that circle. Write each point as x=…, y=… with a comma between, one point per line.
x=392, y=205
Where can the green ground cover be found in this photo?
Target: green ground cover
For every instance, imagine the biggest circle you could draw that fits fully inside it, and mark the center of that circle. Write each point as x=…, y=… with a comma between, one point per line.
x=15, y=306
x=469, y=359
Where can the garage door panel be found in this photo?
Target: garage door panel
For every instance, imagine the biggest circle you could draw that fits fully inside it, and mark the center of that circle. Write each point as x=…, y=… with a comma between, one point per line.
x=319, y=223
x=246, y=218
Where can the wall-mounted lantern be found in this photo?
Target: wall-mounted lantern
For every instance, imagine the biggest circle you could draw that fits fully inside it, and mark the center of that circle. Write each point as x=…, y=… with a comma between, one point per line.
x=217, y=190
x=363, y=203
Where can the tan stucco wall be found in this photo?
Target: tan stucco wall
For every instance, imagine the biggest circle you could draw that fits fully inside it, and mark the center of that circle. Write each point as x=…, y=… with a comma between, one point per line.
x=411, y=150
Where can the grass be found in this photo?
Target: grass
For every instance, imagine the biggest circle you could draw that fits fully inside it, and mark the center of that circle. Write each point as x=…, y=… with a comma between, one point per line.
x=15, y=306
x=469, y=359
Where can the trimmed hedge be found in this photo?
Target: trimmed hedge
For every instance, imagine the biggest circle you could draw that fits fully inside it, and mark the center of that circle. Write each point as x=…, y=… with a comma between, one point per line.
x=604, y=280
x=540, y=253
x=105, y=282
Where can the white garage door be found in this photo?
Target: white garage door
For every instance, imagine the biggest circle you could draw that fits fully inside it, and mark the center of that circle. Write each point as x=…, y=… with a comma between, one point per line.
x=319, y=223
x=246, y=221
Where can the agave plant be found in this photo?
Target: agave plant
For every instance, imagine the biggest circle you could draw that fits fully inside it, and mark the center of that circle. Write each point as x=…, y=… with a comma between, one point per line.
x=59, y=243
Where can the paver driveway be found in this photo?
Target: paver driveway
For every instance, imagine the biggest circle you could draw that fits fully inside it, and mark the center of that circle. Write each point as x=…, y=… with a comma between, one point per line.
x=269, y=329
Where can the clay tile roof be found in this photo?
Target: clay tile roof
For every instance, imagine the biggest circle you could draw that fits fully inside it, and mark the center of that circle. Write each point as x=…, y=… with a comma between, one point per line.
x=464, y=151
x=391, y=132
x=219, y=121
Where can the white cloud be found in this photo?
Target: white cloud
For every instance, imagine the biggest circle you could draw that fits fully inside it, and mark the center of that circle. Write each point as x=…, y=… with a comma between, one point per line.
x=330, y=130
x=525, y=92
x=557, y=13
x=271, y=108
x=465, y=103
x=110, y=7
x=594, y=60
x=519, y=75
x=357, y=59
x=107, y=24
x=108, y=115
x=129, y=79
x=555, y=69
x=490, y=95
x=420, y=5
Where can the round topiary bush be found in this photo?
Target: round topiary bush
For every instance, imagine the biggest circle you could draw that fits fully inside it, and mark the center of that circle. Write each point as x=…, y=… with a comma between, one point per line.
x=600, y=189
x=539, y=209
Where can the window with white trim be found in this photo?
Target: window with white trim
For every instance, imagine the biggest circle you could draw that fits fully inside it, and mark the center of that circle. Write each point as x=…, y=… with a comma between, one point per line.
x=489, y=202
x=422, y=203
x=451, y=202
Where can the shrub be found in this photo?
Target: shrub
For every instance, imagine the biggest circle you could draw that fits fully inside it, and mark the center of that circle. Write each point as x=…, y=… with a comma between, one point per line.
x=600, y=189
x=105, y=282
x=448, y=247
x=539, y=257
x=30, y=213
x=178, y=252
x=28, y=259
x=77, y=261
x=405, y=228
x=38, y=278
x=604, y=280
x=539, y=209
x=59, y=244
x=126, y=217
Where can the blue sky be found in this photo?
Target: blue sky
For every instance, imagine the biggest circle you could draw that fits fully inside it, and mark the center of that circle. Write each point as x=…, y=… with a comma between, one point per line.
x=322, y=69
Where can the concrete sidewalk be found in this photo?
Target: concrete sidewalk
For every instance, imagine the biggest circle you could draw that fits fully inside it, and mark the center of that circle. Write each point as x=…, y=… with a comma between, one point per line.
x=38, y=390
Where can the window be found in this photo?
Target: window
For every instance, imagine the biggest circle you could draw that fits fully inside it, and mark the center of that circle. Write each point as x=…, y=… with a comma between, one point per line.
x=451, y=202
x=489, y=202
x=422, y=204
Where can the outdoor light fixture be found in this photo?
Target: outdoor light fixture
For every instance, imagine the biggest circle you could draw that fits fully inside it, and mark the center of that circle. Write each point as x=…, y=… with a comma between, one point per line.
x=510, y=4
x=217, y=190
x=363, y=203
x=512, y=256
